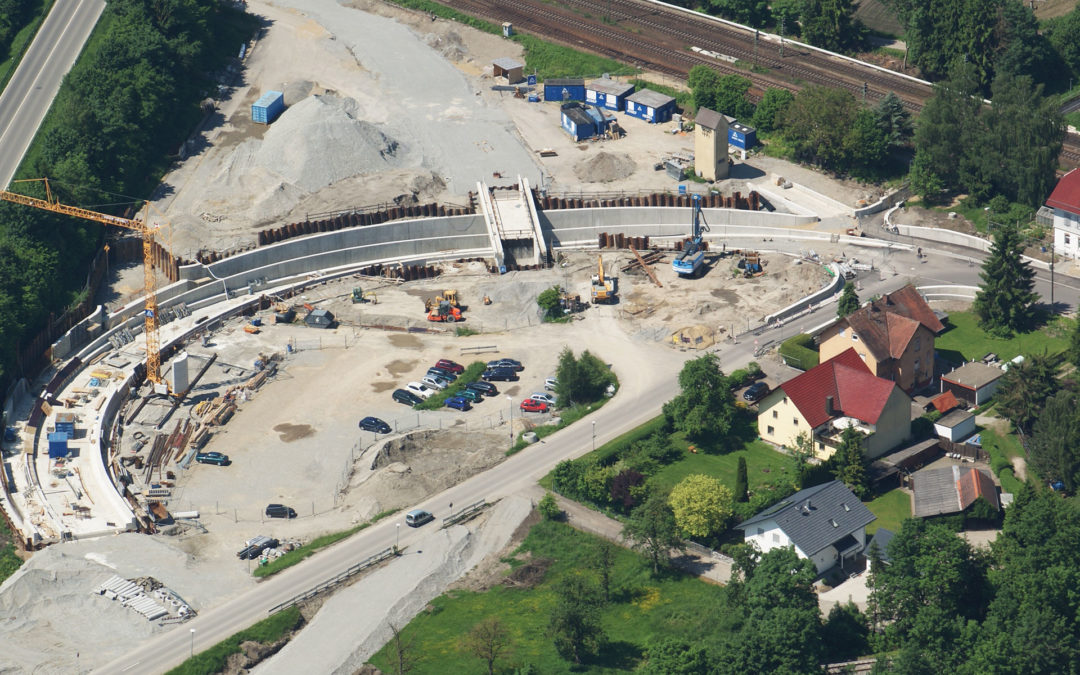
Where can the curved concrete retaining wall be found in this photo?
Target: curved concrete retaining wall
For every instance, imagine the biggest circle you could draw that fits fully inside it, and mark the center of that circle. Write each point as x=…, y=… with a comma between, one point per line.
x=939, y=235
x=395, y=240
x=829, y=290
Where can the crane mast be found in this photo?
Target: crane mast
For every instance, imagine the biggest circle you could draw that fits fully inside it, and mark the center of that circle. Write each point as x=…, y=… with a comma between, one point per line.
x=150, y=314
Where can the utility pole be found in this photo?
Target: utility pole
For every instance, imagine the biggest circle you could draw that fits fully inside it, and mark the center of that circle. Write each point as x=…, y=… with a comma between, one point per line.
x=782, y=37
x=755, y=45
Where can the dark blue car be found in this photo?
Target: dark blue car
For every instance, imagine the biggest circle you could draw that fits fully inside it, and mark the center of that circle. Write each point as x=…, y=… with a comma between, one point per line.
x=458, y=403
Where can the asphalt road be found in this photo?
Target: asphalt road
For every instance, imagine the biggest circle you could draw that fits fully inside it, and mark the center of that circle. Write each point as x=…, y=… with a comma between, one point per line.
x=30, y=91
x=644, y=387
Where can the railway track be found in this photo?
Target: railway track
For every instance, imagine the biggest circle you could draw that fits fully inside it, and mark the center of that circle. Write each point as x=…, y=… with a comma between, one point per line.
x=659, y=38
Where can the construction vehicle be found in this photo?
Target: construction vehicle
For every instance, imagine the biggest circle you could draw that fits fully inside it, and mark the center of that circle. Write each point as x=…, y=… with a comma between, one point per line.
x=691, y=260
x=603, y=287
x=150, y=310
x=359, y=296
x=449, y=295
x=750, y=264
x=444, y=311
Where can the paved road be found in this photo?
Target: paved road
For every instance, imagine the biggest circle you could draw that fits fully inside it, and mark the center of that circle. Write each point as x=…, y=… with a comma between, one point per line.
x=644, y=387
x=30, y=91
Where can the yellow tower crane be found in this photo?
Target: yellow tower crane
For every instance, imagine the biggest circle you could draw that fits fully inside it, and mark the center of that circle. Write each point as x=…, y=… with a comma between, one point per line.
x=153, y=349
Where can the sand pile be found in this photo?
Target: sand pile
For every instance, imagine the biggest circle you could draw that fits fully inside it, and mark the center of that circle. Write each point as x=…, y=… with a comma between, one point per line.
x=604, y=167
x=314, y=144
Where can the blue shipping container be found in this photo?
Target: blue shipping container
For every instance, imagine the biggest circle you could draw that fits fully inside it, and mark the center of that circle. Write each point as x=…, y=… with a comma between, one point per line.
x=268, y=107
x=742, y=136
x=58, y=446
x=564, y=89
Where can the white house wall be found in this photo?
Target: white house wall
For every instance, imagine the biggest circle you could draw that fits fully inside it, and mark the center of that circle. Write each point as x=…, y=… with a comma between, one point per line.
x=1066, y=233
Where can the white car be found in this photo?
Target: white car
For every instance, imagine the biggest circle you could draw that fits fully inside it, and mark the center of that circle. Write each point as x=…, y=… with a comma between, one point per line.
x=433, y=383
x=546, y=398
x=421, y=390
x=550, y=383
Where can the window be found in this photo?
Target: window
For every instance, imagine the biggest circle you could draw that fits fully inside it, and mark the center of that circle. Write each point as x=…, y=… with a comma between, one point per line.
x=775, y=414
x=795, y=421
x=821, y=446
x=833, y=523
x=854, y=337
x=760, y=531
x=1066, y=238
x=916, y=365
x=775, y=538
x=770, y=431
x=918, y=343
x=862, y=355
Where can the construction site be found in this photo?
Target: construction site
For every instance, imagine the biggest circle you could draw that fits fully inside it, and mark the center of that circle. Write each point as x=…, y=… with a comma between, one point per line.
x=285, y=315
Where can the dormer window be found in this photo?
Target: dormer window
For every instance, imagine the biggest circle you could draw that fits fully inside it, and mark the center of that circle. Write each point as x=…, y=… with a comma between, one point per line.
x=833, y=523
x=854, y=337
x=846, y=507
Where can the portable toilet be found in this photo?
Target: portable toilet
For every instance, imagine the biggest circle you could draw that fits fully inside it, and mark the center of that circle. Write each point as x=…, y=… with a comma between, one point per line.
x=268, y=107
x=58, y=446
x=508, y=29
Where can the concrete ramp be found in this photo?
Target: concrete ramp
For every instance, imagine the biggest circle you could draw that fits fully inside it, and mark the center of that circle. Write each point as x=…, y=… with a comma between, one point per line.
x=513, y=225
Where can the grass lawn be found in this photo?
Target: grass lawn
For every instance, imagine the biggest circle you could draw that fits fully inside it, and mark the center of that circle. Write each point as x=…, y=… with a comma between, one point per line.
x=1002, y=450
x=891, y=509
x=764, y=466
x=642, y=609
x=965, y=341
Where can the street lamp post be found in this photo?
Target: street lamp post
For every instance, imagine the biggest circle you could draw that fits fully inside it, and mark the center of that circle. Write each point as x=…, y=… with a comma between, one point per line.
x=510, y=405
x=594, y=435
x=397, y=537
x=192, y=643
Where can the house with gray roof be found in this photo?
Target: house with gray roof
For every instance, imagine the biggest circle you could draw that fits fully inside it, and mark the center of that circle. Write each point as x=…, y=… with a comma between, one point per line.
x=825, y=524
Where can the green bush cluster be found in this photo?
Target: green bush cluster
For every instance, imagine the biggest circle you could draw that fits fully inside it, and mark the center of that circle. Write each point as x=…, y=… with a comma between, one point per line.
x=744, y=376
x=799, y=352
x=471, y=374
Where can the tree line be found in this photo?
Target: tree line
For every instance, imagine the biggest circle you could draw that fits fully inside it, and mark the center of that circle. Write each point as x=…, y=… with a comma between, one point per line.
x=14, y=14
x=121, y=112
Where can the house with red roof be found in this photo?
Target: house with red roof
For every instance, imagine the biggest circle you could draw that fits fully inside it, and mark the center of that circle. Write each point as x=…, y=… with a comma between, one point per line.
x=1065, y=201
x=894, y=336
x=825, y=400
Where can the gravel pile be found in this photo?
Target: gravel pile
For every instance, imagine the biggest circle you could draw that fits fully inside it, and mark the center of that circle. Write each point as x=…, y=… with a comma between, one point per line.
x=604, y=167
x=50, y=613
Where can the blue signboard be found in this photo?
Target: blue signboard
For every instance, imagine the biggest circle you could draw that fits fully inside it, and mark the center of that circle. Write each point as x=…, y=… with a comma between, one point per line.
x=532, y=80
x=682, y=189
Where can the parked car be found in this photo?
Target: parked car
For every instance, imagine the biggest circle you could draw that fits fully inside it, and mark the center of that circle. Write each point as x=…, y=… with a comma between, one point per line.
x=453, y=367
x=418, y=389
x=506, y=363
x=486, y=388
x=471, y=395
x=444, y=374
x=532, y=405
x=418, y=517
x=406, y=397
x=374, y=424
x=550, y=384
x=212, y=458
x=434, y=382
x=546, y=398
x=756, y=392
x=458, y=402
x=500, y=374
x=279, y=511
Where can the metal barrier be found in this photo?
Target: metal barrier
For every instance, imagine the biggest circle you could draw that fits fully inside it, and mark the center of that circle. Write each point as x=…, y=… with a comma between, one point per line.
x=330, y=583
x=706, y=552
x=465, y=513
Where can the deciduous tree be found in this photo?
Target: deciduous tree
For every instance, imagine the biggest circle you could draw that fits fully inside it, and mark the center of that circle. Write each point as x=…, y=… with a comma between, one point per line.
x=675, y=656
x=1054, y=450
x=575, y=620
x=705, y=409
x=651, y=528
x=701, y=505
x=487, y=641
x=603, y=561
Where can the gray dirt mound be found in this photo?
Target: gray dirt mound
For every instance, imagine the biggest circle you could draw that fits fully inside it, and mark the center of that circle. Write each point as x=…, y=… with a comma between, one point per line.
x=321, y=140
x=604, y=167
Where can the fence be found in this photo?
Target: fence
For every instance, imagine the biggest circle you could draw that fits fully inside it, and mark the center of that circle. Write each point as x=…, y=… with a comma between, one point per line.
x=330, y=583
x=705, y=552
x=465, y=513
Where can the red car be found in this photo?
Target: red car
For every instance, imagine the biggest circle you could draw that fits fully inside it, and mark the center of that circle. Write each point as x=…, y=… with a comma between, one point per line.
x=532, y=405
x=447, y=364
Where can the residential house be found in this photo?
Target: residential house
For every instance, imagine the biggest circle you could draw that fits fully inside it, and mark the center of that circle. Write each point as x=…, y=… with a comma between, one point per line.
x=1065, y=201
x=973, y=383
x=893, y=334
x=951, y=489
x=825, y=524
x=825, y=400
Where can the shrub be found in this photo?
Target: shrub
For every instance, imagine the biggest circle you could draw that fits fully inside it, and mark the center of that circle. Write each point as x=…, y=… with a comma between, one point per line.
x=799, y=352
x=549, y=508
